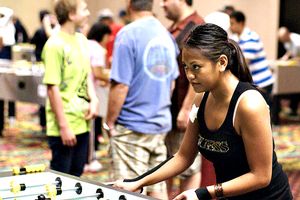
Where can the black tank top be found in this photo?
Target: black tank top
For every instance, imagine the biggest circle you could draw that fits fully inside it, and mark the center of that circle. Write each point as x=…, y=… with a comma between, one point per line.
x=225, y=149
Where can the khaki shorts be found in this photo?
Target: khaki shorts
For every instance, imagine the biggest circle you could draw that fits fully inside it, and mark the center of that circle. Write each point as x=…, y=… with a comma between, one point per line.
x=135, y=153
x=173, y=141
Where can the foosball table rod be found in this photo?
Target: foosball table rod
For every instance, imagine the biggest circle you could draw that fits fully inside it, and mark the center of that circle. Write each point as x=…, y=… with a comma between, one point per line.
x=51, y=191
x=99, y=195
x=17, y=187
x=28, y=169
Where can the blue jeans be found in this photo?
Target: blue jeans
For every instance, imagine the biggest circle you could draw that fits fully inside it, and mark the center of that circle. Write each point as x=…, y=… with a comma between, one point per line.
x=11, y=113
x=69, y=160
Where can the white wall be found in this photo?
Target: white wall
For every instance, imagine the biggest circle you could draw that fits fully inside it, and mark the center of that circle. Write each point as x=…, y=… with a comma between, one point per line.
x=262, y=16
x=28, y=11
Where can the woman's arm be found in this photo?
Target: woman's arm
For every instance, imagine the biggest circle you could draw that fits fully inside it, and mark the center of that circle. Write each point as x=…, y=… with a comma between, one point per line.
x=172, y=167
x=252, y=122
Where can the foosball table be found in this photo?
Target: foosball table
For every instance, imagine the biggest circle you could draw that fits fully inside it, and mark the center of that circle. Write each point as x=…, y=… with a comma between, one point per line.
x=39, y=183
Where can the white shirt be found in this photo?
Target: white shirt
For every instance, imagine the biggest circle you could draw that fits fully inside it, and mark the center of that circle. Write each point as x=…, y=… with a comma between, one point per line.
x=219, y=18
x=253, y=50
x=294, y=45
x=97, y=58
x=97, y=54
x=7, y=28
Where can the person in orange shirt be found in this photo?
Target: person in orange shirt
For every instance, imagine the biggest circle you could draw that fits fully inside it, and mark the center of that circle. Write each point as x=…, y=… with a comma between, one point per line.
x=107, y=17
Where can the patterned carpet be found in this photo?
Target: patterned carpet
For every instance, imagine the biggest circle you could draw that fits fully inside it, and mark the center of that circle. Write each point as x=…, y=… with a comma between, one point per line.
x=287, y=140
x=25, y=143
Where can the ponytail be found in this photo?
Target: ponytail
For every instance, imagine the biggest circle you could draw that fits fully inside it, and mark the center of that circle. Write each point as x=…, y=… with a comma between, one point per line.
x=237, y=64
x=213, y=41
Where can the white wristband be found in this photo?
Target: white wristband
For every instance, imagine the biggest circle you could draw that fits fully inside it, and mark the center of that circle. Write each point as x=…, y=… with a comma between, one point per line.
x=193, y=113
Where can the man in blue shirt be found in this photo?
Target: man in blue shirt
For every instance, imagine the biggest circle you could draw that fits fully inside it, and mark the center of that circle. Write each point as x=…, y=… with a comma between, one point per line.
x=143, y=71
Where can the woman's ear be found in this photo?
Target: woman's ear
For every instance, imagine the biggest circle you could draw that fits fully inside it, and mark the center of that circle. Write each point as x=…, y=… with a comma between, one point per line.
x=222, y=63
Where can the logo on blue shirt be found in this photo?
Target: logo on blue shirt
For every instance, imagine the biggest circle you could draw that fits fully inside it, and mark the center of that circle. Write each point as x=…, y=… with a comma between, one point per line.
x=158, y=58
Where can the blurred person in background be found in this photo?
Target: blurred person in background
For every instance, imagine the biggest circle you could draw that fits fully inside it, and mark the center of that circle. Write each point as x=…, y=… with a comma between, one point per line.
x=255, y=55
x=98, y=37
x=7, y=40
x=106, y=16
x=291, y=43
x=72, y=101
x=49, y=26
x=124, y=17
x=21, y=35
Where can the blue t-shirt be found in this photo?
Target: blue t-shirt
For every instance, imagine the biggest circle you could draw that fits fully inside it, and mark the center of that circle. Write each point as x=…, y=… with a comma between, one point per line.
x=253, y=50
x=144, y=58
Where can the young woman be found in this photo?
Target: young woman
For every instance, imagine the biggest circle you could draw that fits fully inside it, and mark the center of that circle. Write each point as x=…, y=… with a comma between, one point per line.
x=229, y=124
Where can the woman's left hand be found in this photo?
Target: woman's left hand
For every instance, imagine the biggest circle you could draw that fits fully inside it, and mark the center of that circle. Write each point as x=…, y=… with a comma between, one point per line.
x=187, y=195
x=129, y=186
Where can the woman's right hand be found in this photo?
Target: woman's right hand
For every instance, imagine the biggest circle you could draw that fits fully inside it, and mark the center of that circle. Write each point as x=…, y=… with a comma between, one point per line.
x=129, y=186
x=187, y=195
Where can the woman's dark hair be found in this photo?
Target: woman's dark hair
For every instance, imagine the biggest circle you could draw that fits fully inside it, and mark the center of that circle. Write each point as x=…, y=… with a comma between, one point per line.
x=97, y=32
x=212, y=41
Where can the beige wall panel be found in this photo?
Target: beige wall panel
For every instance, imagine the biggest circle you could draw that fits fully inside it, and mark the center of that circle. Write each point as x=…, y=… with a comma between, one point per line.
x=28, y=11
x=262, y=16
